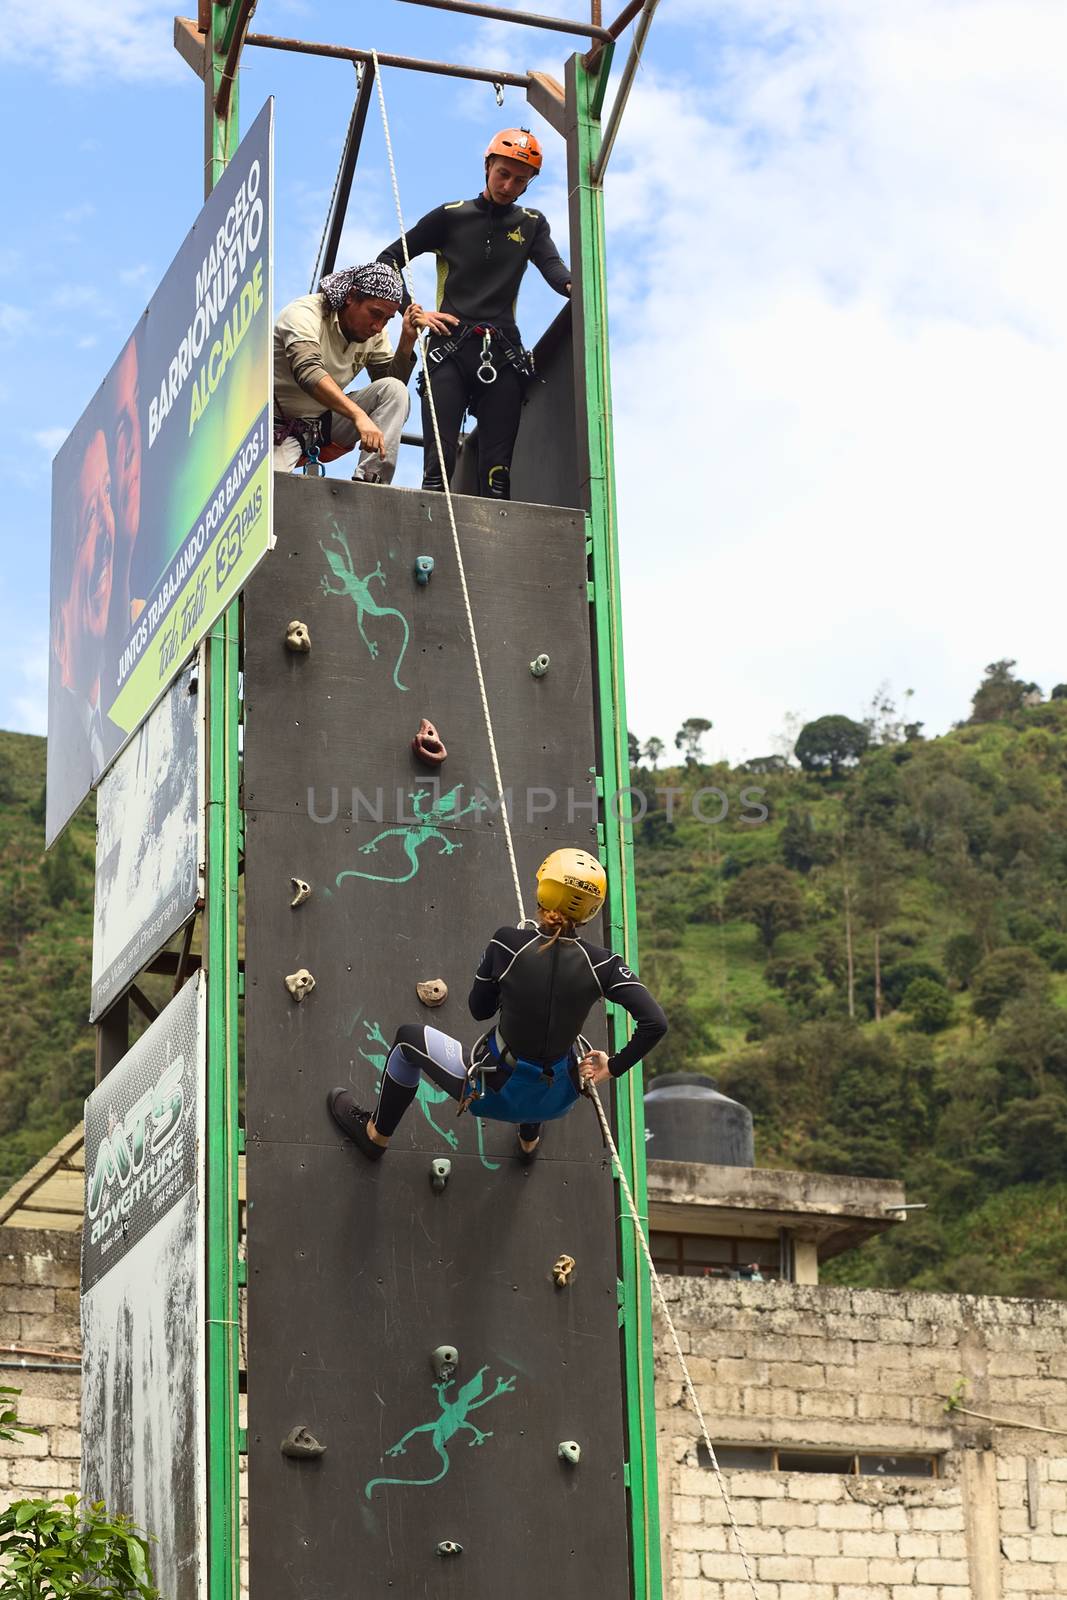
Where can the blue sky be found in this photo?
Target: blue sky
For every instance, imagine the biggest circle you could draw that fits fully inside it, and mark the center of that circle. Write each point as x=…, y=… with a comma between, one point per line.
x=837, y=242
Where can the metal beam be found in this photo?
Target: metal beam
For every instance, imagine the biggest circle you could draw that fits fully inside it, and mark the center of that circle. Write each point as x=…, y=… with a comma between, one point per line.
x=527, y=19
x=343, y=52
x=189, y=43
x=629, y=72
x=229, y=43
x=343, y=188
x=547, y=97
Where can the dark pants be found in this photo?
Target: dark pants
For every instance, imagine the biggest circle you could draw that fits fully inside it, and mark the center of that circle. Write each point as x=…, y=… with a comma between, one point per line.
x=497, y=406
x=419, y=1049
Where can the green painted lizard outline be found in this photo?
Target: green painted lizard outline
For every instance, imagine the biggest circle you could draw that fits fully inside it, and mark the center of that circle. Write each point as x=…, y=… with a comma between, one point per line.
x=428, y=1095
x=445, y=809
x=453, y=1420
x=358, y=591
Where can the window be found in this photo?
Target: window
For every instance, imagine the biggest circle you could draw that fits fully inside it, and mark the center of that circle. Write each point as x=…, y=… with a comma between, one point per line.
x=846, y=1463
x=705, y=1255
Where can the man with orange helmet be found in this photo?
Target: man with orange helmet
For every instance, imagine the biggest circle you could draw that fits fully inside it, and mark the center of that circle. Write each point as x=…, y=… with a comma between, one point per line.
x=483, y=247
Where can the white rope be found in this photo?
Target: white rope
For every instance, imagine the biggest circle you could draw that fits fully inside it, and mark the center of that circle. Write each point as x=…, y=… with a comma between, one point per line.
x=448, y=502
x=591, y=1091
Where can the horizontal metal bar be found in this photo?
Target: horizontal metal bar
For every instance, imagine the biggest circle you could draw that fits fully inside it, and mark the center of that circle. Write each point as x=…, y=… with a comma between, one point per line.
x=412, y=438
x=32, y=1350
x=526, y=19
x=343, y=52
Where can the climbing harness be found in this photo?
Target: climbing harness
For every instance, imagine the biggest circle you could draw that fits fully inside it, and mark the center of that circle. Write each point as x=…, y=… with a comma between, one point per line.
x=517, y=356
x=504, y=817
x=605, y=1131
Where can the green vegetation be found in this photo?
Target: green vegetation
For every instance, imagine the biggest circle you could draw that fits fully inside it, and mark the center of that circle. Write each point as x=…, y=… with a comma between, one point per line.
x=874, y=961
x=879, y=970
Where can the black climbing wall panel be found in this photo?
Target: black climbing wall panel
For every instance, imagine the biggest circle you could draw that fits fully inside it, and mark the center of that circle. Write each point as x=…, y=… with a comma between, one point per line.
x=357, y=1272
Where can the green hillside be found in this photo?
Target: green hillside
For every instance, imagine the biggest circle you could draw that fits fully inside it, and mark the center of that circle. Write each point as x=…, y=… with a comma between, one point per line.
x=938, y=868
x=944, y=863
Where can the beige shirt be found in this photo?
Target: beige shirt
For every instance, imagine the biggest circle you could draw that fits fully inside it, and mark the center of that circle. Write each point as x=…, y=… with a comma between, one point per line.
x=308, y=342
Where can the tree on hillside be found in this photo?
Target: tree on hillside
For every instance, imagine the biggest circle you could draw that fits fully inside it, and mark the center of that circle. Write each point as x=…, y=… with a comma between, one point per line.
x=689, y=736
x=877, y=898
x=653, y=750
x=885, y=724
x=802, y=847
x=1011, y=973
x=929, y=1004
x=999, y=693
x=833, y=742
x=635, y=748
x=1059, y=692
x=770, y=899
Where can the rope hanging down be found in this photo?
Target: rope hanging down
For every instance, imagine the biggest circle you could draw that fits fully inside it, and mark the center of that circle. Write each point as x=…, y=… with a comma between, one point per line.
x=591, y=1091
x=451, y=511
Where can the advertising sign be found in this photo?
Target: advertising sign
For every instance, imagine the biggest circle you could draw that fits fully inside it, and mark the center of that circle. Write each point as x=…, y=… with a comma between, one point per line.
x=143, y=1294
x=148, y=842
x=161, y=496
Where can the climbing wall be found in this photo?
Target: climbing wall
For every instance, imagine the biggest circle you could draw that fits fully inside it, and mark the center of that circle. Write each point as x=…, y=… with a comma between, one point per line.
x=358, y=1272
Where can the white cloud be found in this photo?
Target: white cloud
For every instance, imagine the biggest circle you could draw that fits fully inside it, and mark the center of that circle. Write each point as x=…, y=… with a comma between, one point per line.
x=132, y=276
x=82, y=39
x=838, y=353
x=13, y=320
x=49, y=439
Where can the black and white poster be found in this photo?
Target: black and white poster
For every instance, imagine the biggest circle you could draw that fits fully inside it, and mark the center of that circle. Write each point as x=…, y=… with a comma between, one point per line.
x=143, y=1357
x=148, y=842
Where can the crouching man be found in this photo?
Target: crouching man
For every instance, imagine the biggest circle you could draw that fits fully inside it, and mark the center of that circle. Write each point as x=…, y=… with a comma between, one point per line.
x=321, y=343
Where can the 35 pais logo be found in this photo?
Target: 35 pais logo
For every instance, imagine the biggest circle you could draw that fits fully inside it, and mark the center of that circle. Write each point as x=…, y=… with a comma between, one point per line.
x=139, y=1152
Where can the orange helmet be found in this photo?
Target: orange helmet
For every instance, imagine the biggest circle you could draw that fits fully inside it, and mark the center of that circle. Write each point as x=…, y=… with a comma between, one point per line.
x=518, y=144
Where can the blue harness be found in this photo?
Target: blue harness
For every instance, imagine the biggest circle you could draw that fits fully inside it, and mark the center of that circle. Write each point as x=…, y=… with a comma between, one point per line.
x=532, y=1093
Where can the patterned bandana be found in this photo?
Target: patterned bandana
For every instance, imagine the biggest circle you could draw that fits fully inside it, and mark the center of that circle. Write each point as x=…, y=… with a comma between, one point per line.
x=377, y=279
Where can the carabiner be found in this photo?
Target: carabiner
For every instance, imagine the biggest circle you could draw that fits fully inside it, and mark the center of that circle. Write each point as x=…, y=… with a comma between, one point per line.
x=487, y=360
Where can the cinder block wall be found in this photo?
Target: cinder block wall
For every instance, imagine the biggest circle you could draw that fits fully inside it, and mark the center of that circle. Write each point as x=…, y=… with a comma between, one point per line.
x=858, y=1370
x=39, y=1310
x=773, y=1364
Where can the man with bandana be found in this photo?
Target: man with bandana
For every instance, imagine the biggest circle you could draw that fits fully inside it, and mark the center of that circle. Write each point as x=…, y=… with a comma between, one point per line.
x=321, y=343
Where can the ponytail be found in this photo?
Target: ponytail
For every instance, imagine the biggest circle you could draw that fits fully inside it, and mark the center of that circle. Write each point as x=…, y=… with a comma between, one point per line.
x=558, y=924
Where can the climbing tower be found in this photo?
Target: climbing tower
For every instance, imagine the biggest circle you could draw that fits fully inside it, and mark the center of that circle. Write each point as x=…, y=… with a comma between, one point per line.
x=448, y=1355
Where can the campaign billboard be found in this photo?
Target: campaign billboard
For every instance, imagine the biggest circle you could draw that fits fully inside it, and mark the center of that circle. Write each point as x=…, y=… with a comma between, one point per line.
x=143, y=1293
x=148, y=842
x=161, y=495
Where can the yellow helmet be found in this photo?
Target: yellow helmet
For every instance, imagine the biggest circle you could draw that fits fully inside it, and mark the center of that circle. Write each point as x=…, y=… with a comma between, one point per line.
x=571, y=881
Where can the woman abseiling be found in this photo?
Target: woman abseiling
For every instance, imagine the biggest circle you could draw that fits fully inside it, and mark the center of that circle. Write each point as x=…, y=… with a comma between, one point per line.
x=531, y=1066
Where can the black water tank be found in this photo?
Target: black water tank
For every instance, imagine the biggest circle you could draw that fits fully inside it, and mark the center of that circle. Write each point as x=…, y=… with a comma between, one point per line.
x=687, y=1119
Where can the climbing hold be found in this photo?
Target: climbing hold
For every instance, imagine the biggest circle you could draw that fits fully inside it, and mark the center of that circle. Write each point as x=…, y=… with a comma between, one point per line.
x=302, y=1444
x=297, y=637
x=434, y=992
x=445, y=1360
x=427, y=745
x=570, y=1450
x=562, y=1270
x=539, y=665
x=423, y=569
x=300, y=984
x=449, y=1547
x=303, y=892
x=440, y=1172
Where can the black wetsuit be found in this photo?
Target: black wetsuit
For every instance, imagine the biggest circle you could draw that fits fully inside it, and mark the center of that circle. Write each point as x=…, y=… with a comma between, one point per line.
x=543, y=990
x=482, y=253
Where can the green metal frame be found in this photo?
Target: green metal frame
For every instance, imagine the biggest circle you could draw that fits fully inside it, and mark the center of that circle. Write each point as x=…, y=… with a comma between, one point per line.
x=587, y=88
x=221, y=965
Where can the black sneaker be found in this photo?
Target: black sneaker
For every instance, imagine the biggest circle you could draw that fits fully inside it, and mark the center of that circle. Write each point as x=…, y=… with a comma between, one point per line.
x=527, y=1157
x=352, y=1120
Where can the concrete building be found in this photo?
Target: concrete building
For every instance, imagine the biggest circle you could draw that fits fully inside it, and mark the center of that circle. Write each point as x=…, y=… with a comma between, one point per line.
x=875, y=1445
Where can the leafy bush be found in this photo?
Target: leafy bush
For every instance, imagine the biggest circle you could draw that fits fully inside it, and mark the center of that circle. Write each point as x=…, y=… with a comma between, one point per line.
x=60, y=1550
x=929, y=1005
x=963, y=952
x=1006, y=975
